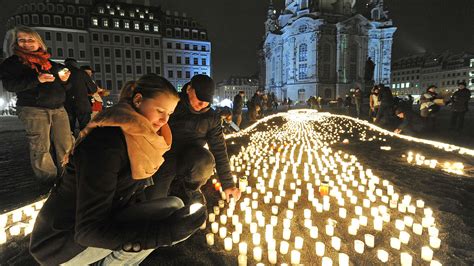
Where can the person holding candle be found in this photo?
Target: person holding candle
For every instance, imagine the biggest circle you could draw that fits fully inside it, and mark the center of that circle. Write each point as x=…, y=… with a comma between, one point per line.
x=98, y=211
x=40, y=85
x=188, y=165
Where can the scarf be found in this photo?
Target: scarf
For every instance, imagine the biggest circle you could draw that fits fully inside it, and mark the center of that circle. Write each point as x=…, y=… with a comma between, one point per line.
x=145, y=146
x=34, y=60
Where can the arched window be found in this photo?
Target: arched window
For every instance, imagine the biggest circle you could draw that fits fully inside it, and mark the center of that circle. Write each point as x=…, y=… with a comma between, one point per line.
x=303, y=52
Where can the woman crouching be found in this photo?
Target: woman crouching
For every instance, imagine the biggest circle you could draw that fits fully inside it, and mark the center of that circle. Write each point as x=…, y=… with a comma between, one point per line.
x=98, y=211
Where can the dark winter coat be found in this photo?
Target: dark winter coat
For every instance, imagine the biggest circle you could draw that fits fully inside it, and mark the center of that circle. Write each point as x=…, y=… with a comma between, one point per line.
x=199, y=128
x=21, y=79
x=460, y=100
x=83, y=210
x=385, y=96
x=412, y=123
x=77, y=98
x=237, y=105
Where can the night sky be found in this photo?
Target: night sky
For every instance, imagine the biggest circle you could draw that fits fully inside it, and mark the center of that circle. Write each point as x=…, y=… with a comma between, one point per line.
x=236, y=27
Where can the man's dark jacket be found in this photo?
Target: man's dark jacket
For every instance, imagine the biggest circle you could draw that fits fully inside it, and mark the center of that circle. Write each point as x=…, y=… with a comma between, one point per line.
x=385, y=96
x=237, y=104
x=21, y=79
x=199, y=128
x=460, y=100
x=77, y=98
x=84, y=209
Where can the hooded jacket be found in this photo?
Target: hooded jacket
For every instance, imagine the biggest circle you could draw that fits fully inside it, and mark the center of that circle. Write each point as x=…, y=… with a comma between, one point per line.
x=189, y=127
x=21, y=79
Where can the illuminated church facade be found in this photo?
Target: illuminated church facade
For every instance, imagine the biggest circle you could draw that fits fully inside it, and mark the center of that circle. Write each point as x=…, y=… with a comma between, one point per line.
x=321, y=48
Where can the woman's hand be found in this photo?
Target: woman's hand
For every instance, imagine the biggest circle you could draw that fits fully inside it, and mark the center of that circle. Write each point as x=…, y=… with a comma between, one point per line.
x=64, y=75
x=45, y=77
x=234, y=192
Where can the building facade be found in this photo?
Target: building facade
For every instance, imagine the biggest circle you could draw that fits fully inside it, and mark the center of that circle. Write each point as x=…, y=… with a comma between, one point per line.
x=229, y=88
x=120, y=40
x=320, y=48
x=413, y=74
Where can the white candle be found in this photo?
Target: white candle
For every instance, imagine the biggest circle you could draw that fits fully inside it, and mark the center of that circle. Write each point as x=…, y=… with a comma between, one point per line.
x=291, y=205
x=228, y=244
x=426, y=253
x=359, y=246
x=308, y=223
x=271, y=244
x=420, y=203
x=210, y=239
x=435, y=242
x=223, y=219
x=274, y=220
x=417, y=229
x=295, y=257
x=284, y=246
x=395, y=243
x=217, y=211
x=307, y=214
x=235, y=237
x=286, y=234
x=272, y=257
x=336, y=243
x=243, y=248
x=256, y=239
x=298, y=242
x=363, y=220
x=342, y=213
x=212, y=217
x=378, y=224
x=408, y=221
x=433, y=231
x=399, y=224
x=369, y=240
x=221, y=204
x=435, y=263
x=329, y=230
x=215, y=227
x=222, y=232
x=343, y=259
x=257, y=253
x=404, y=237
x=253, y=228
x=286, y=223
x=313, y=233
x=320, y=249
x=274, y=209
x=352, y=229
x=242, y=260
x=406, y=259
x=382, y=255
x=326, y=261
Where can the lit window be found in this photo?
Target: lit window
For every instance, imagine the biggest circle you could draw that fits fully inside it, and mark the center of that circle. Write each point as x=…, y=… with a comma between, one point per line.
x=108, y=5
x=116, y=24
x=95, y=22
x=150, y=16
x=118, y=7
x=147, y=27
x=137, y=26
x=155, y=27
x=302, y=71
x=122, y=13
x=407, y=85
x=303, y=52
x=105, y=23
x=142, y=15
x=101, y=10
x=112, y=12
x=132, y=14
x=126, y=25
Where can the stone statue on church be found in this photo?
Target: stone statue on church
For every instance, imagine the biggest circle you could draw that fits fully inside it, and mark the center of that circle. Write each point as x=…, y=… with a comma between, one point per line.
x=369, y=70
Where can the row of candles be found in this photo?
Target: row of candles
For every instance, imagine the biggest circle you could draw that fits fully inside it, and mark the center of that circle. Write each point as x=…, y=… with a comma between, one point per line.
x=265, y=159
x=18, y=222
x=450, y=167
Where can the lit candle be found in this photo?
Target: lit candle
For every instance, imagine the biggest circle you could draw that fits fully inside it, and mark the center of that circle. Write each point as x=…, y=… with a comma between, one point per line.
x=336, y=243
x=408, y=221
x=320, y=249
x=217, y=211
x=235, y=237
x=223, y=219
x=426, y=253
x=343, y=259
x=433, y=231
x=212, y=217
x=298, y=242
x=210, y=239
x=435, y=242
x=274, y=209
x=257, y=253
x=222, y=232
x=284, y=246
x=228, y=244
x=313, y=233
x=253, y=228
x=359, y=246
x=256, y=239
x=352, y=229
x=417, y=228
x=243, y=248
x=369, y=240
x=286, y=234
x=326, y=261
x=382, y=255
x=329, y=230
x=395, y=243
x=363, y=220
x=242, y=260
x=215, y=227
x=399, y=224
x=272, y=257
x=342, y=213
x=404, y=237
x=378, y=223
x=295, y=257
x=406, y=259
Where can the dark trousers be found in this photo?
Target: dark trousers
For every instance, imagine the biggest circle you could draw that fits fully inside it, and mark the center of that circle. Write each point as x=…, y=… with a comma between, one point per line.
x=183, y=171
x=82, y=118
x=457, y=120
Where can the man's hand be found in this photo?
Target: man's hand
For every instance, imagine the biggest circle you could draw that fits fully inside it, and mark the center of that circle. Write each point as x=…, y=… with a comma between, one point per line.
x=235, y=192
x=64, y=75
x=45, y=77
x=397, y=131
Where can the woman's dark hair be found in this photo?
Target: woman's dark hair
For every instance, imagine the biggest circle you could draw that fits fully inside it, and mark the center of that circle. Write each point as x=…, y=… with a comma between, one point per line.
x=149, y=86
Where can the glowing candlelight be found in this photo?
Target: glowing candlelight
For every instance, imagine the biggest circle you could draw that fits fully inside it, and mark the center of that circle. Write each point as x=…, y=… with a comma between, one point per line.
x=417, y=229
x=286, y=234
x=256, y=239
x=320, y=249
x=242, y=260
x=228, y=244
x=257, y=253
x=342, y=213
x=222, y=232
x=298, y=242
x=404, y=237
x=313, y=233
x=243, y=248
x=382, y=255
x=336, y=243
x=433, y=231
x=215, y=227
x=329, y=230
x=426, y=253
x=395, y=243
x=272, y=257
x=359, y=246
x=284, y=246
x=210, y=239
x=378, y=224
x=326, y=261
x=295, y=257
x=435, y=242
x=406, y=259
x=223, y=219
x=369, y=240
x=235, y=237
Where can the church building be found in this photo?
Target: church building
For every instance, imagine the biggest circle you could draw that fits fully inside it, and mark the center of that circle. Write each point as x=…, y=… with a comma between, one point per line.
x=324, y=48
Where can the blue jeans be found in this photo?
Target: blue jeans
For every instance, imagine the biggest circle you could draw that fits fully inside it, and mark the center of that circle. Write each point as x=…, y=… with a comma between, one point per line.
x=43, y=125
x=100, y=256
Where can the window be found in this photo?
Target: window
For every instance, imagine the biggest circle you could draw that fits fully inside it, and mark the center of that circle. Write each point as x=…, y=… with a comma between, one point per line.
x=96, y=51
x=148, y=70
x=147, y=55
x=109, y=84
x=157, y=70
x=126, y=39
x=129, y=69
x=95, y=37
x=195, y=61
x=97, y=67
x=170, y=59
x=156, y=42
x=147, y=27
x=138, y=54
x=178, y=60
x=82, y=10
x=195, y=47
x=303, y=52
x=70, y=52
x=118, y=69
x=60, y=52
x=179, y=74
x=177, y=33
x=168, y=45
x=168, y=21
x=170, y=74
x=47, y=35
x=195, y=34
x=188, y=74
x=69, y=37
x=101, y=10
x=80, y=22
x=57, y=20
x=302, y=71
x=203, y=61
x=105, y=37
x=178, y=46
x=105, y=22
x=157, y=55
x=106, y=52
x=26, y=19
x=142, y=15
x=203, y=48
x=126, y=24
x=117, y=38
x=169, y=33
x=137, y=26
x=118, y=53
x=81, y=39
x=128, y=54
x=147, y=41
x=35, y=19
x=116, y=24
x=59, y=37
x=119, y=84
x=122, y=13
x=203, y=35
x=155, y=28
x=186, y=33
x=46, y=20
x=107, y=68
x=137, y=40
x=82, y=54
x=68, y=21
x=139, y=69
x=186, y=60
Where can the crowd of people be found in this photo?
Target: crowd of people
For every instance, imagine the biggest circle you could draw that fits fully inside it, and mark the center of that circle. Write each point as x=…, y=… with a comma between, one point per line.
x=130, y=181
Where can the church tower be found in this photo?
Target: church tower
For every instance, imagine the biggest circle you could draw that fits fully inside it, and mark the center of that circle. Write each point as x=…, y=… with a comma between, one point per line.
x=271, y=23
